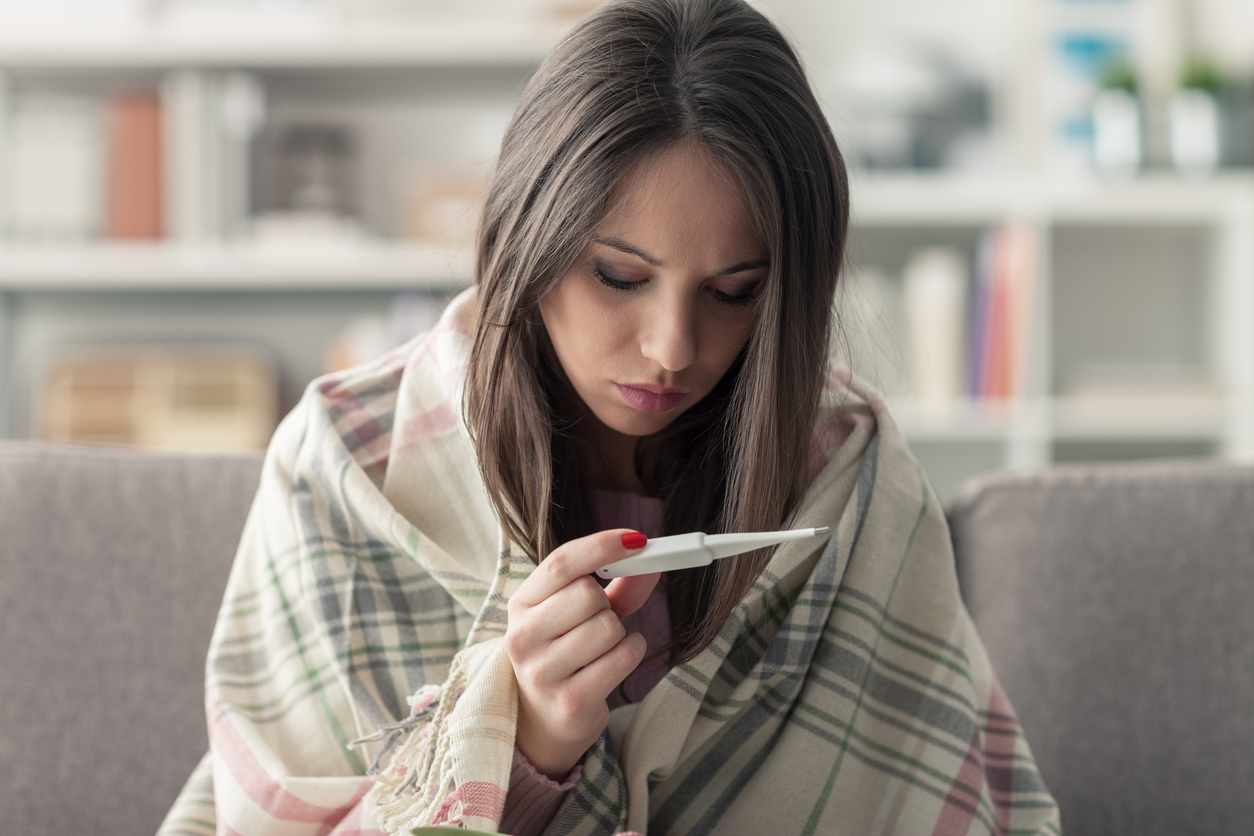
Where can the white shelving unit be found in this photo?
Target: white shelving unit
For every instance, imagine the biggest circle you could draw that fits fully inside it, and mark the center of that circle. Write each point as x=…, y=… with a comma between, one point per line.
x=1117, y=260
x=1098, y=240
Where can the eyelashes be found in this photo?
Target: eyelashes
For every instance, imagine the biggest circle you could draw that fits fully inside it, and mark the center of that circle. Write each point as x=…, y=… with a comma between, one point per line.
x=611, y=281
x=741, y=301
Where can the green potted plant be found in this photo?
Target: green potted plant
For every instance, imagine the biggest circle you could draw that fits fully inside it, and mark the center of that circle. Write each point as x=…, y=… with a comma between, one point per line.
x=1194, y=118
x=1117, y=123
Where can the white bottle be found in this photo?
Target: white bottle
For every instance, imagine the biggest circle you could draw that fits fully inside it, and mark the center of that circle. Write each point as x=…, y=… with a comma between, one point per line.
x=1116, y=133
x=1194, y=127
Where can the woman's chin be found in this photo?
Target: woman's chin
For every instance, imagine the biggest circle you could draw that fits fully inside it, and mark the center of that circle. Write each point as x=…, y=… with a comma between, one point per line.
x=637, y=422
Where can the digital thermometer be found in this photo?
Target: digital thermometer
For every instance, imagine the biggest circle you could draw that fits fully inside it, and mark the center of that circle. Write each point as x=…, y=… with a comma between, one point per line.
x=684, y=551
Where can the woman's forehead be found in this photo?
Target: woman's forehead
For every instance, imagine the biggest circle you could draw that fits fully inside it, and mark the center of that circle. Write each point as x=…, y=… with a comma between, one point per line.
x=681, y=197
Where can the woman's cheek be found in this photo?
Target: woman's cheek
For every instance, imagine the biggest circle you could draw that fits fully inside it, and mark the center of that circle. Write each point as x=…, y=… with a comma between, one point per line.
x=609, y=332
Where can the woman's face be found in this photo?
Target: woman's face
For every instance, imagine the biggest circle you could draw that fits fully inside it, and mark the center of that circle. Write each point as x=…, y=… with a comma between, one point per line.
x=658, y=305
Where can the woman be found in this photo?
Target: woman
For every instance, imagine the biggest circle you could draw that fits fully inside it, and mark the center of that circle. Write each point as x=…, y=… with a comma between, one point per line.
x=411, y=635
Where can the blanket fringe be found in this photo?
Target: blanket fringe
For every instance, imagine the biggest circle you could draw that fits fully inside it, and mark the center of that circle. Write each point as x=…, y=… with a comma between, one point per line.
x=412, y=789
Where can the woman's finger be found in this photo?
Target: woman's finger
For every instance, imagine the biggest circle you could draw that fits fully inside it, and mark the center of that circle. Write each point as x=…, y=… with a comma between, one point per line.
x=584, y=644
x=603, y=674
x=626, y=595
x=572, y=560
x=564, y=610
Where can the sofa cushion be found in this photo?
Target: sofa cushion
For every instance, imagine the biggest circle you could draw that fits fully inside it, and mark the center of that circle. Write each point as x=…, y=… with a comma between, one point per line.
x=112, y=568
x=1115, y=603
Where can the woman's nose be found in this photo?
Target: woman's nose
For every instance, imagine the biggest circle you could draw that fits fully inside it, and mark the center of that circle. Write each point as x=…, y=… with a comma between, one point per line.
x=670, y=335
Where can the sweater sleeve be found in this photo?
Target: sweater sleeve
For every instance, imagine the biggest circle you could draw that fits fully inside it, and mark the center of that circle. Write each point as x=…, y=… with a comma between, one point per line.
x=533, y=798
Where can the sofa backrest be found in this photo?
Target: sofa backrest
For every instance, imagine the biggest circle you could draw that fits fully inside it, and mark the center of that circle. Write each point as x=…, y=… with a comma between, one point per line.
x=1117, y=605
x=112, y=568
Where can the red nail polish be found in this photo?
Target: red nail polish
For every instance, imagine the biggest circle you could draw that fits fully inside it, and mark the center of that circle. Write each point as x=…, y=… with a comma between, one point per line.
x=634, y=540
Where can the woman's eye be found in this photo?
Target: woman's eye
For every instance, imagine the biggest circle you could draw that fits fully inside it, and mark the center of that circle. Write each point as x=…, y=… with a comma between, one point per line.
x=607, y=278
x=743, y=298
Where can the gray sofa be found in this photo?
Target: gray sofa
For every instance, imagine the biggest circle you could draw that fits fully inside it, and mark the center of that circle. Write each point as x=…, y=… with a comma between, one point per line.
x=1117, y=605
x=112, y=567
x=1115, y=602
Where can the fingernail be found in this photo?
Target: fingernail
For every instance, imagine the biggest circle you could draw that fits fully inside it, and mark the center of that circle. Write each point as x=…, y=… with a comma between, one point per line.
x=634, y=540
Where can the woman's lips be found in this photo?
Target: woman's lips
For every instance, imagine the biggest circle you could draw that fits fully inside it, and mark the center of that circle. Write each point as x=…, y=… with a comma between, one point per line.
x=651, y=398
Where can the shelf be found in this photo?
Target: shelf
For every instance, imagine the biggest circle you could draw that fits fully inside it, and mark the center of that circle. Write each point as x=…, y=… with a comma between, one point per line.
x=309, y=45
x=943, y=200
x=1068, y=419
x=1160, y=198
x=1149, y=419
x=239, y=267
x=962, y=420
x=947, y=200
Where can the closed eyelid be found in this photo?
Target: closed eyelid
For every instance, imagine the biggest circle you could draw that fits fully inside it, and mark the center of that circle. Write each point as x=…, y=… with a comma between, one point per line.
x=735, y=287
x=742, y=267
x=618, y=272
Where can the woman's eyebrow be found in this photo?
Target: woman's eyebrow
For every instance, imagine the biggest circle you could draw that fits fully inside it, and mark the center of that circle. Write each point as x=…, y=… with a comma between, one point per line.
x=653, y=261
x=631, y=249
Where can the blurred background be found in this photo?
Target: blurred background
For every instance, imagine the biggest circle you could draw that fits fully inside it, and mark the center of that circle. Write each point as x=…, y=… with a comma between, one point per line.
x=205, y=204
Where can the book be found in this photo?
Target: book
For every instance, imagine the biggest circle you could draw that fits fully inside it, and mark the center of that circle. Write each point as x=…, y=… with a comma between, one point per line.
x=994, y=376
x=209, y=121
x=934, y=287
x=1001, y=313
x=54, y=171
x=1021, y=254
x=241, y=111
x=189, y=193
x=135, y=202
x=981, y=312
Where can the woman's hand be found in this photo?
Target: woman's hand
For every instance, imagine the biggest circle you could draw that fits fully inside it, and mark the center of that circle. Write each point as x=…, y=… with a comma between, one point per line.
x=569, y=648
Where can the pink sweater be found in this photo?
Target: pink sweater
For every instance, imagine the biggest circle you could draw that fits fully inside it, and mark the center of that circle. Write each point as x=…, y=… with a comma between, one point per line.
x=533, y=798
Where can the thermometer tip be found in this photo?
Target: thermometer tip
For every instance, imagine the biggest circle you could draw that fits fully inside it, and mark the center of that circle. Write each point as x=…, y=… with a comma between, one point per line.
x=818, y=532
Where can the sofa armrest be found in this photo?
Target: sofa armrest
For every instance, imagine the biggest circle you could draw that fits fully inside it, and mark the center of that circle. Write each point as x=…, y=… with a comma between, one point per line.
x=112, y=568
x=1115, y=603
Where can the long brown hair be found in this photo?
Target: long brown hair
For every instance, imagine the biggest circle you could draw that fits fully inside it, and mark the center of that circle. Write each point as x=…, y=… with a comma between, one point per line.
x=633, y=78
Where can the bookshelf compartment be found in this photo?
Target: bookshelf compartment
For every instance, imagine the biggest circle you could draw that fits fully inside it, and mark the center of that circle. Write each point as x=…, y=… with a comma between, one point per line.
x=888, y=248
x=208, y=398
x=407, y=169
x=293, y=330
x=1131, y=311
x=943, y=314
x=876, y=320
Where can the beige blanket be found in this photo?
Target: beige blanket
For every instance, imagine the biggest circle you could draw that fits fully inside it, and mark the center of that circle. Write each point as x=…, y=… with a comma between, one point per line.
x=849, y=693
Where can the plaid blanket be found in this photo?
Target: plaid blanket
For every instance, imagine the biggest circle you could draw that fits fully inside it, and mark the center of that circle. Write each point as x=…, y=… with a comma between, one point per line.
x=357, y=681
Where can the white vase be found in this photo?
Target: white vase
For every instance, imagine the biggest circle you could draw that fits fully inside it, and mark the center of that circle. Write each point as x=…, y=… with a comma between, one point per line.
x=1116, y=133
x=1194, y=128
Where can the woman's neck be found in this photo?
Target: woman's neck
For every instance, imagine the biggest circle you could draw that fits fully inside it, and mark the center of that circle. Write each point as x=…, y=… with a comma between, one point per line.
x=611, y=464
